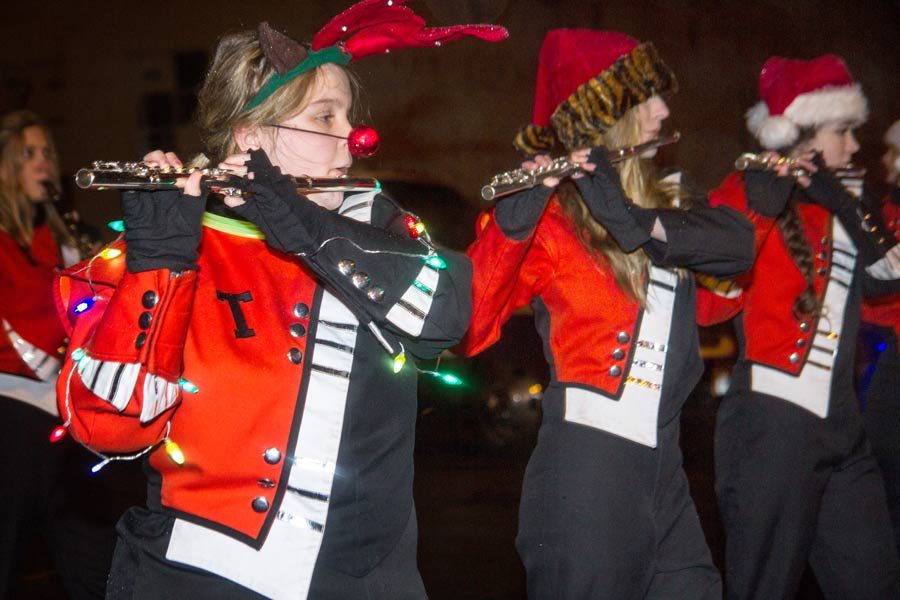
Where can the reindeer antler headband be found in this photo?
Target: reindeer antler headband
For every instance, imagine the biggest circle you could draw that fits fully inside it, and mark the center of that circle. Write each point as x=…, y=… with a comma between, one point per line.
x=366, y=28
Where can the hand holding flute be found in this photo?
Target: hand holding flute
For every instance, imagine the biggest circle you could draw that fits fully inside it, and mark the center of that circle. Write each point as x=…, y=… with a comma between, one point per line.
x=532, y=173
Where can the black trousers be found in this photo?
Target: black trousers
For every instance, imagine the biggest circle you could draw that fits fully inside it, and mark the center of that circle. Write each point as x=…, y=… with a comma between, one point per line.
x=794, y=488
x=605, y=517
x=141, y=571
x=882, y=423
x=46, y=490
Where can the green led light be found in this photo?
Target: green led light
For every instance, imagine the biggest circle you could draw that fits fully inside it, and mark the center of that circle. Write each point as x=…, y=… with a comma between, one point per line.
x=77, y=354
x=435, y=262
x=118, y=226
x=188, y=386
x=451, y=379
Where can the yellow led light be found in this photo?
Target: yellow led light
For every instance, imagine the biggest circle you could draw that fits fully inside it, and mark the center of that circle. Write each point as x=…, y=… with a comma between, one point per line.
x=174, y=452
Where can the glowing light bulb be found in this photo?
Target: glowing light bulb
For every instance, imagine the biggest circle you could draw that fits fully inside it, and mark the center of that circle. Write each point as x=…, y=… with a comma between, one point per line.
x=174, y=452
x=58, y=433
x=188, y=386
x=420, y=227
x=118, y=226
x=411, y=226
x=109, y=253
x=399, y=361
x=100, y=465
x=535, y=389
x=83, y=305
x=436, y=262
x=77, y=354
x=450, y=379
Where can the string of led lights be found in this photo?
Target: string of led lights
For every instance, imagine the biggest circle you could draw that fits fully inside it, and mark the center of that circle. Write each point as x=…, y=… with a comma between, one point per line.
x=416, y=230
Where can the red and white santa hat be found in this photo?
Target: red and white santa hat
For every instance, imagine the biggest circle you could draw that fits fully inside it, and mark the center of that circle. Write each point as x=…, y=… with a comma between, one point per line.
x=798, y=94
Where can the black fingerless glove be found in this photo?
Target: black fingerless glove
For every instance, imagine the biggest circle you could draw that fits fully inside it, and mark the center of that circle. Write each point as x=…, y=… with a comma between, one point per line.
x=629, y=224
x=767, y=193
x=162, y=230
x=518, y=215
x=827, y=191
x=275, y=207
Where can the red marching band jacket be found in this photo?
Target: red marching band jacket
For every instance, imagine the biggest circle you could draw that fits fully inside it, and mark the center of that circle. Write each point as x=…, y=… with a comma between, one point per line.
x=520, y=271
x=885, y=310
x=32, y=340
x=284, y=404
x=141, y=324
x=615, y=366
x=776, y=337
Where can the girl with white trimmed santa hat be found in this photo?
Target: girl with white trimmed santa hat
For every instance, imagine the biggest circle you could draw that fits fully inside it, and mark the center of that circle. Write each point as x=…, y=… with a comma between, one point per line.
x=795, y=477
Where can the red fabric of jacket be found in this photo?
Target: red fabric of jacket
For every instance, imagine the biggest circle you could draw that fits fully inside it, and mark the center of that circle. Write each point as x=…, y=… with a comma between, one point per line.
x=248, y=387
x=773, y=332
x=26, y=298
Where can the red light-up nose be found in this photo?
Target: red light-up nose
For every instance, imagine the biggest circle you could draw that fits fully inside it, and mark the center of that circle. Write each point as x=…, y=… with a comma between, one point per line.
x=363, y=141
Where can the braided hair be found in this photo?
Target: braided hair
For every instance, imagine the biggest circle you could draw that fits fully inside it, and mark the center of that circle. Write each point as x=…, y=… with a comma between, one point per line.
x=794, y=238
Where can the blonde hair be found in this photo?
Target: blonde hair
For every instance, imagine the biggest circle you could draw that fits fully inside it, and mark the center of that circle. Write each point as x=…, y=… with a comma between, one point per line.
x=17, y=210
x=238, y=70
x=640, y=183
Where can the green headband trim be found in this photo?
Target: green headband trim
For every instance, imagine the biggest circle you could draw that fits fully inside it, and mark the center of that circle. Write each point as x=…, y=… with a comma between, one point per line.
x=317, y=58
x=232, y=226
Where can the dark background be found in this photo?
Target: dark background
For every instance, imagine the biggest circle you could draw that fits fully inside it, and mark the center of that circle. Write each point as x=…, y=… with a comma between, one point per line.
x=118, y=79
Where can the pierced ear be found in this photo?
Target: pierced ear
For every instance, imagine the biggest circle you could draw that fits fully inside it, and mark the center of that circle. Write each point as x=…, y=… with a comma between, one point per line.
x=247, y=138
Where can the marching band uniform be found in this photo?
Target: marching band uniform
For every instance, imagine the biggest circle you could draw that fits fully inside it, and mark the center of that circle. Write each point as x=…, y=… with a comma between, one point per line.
x=882, y=400
x=51, y=499
x=32, y=338
x=795, y=477
x=272, y=355
x=299, y=439
x=606, y=511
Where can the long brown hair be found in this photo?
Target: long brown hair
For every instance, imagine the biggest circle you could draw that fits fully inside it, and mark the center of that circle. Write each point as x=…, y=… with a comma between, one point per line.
x=238, y=70
x=640, y=182
x=17, y=211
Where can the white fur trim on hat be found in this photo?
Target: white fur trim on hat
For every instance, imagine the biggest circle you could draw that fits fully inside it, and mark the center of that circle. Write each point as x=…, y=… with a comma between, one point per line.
x=772, y=132
x=826, y=105
x=892, y=135
x=829, y=105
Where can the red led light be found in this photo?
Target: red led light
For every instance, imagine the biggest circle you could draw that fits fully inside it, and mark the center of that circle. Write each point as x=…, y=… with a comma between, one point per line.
x=58, y=433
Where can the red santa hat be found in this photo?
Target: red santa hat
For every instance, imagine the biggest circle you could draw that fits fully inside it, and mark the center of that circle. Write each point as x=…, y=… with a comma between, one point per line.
x=586, y=81
x=798, y=94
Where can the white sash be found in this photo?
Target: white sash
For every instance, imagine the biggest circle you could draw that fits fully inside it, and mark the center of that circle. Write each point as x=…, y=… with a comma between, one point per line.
x=634, y=416
x=283, y=567
x=811, y=388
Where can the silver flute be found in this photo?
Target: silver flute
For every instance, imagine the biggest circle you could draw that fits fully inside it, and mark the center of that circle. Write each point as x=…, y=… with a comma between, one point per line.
x=769, y=162
x=115, y=175
x=523, y=179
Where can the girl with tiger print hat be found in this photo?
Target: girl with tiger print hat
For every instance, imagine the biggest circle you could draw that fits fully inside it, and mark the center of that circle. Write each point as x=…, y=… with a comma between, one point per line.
x=604, y=259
